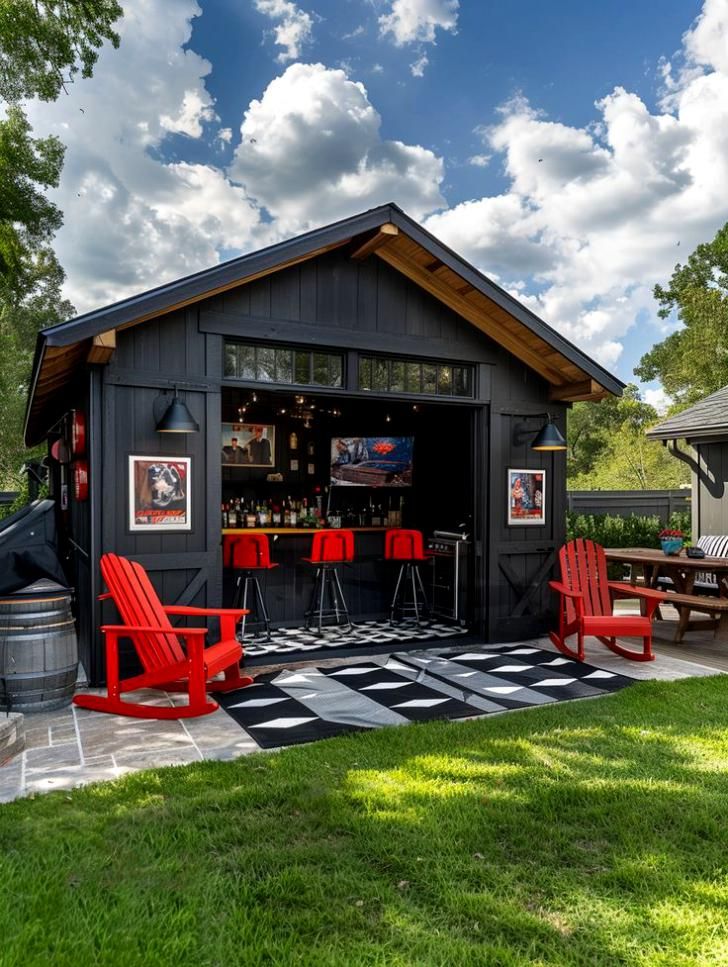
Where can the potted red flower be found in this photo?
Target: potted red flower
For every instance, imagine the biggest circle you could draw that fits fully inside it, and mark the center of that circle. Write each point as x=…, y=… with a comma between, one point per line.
x=671, y=541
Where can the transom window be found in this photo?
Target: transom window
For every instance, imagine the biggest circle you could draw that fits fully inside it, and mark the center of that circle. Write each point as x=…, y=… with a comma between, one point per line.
x=389, y=375
x=283, y=364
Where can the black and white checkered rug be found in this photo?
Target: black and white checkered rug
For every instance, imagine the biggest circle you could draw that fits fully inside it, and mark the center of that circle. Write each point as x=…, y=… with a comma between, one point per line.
x=286, y=641
x=289, y=707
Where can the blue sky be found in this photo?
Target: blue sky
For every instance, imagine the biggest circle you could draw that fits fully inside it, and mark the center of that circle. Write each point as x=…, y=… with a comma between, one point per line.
x=572, y=151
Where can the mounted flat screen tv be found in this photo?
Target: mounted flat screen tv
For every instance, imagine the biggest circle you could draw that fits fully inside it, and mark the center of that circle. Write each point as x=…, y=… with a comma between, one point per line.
x=378, y=461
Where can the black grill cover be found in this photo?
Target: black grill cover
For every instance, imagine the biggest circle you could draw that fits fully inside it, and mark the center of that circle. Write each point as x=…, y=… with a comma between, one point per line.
x=29, y=547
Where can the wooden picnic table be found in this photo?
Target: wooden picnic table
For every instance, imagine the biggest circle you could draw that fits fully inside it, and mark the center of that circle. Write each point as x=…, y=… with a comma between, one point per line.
x=682, y=570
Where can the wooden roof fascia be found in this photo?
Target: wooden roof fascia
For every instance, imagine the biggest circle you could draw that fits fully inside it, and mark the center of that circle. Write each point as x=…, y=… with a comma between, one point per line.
x=476, y=316
x=383, y=236
x=587, y=389
x=102, y=348
x=467, y=272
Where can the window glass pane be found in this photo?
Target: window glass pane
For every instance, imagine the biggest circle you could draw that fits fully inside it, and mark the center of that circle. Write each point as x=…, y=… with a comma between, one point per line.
x=444, y=380
x=320, y=369
x=379, y=375
x=365, y=373
x=231, y=359
x=303, y=367
x=460, y=381
x=284, y=366
x=396, y=376
x=246, y=362
x=413, y=377
x=266, y=369
x=429, y=382
x=336, y=371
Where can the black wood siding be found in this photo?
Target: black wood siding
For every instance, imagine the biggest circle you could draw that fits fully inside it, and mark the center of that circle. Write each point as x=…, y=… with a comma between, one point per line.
x=334, y=301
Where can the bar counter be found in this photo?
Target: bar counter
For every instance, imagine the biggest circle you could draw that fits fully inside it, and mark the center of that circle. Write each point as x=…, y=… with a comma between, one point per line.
x=300, y=530
x=368, y=581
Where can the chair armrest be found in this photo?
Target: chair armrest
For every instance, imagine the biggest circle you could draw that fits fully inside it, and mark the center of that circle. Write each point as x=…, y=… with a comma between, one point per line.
x=562, y=589
x=201, y=612
x=632, y=591
x=120, y=630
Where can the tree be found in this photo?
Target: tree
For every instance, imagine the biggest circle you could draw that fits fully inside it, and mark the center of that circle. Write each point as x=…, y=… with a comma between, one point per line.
x=608, y=449
x=44, y=43
x=693, y=362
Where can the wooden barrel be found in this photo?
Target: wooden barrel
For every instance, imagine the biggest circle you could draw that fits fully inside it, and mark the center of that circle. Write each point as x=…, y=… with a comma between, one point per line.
x=38, y=652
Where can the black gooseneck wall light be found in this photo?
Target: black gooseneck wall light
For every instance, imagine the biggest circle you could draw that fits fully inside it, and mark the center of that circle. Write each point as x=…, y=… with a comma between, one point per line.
x=548, y=438
x=177, y=418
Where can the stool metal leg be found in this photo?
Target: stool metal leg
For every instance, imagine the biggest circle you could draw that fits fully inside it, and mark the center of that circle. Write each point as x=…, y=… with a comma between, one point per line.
x=393, y=609
x=260, y=608
x=344, y=606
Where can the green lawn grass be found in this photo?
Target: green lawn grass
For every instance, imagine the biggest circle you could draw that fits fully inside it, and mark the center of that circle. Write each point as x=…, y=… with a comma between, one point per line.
x=587, y=833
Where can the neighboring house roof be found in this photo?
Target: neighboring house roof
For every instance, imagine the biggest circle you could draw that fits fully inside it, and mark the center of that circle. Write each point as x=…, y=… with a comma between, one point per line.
x=708, y=418
x=386, y=232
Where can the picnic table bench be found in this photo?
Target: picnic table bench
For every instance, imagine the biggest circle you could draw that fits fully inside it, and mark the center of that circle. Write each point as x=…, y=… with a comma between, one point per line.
x=682, y=571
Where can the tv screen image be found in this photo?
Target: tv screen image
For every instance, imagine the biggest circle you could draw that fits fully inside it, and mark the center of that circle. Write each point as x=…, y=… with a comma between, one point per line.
x=379, y=461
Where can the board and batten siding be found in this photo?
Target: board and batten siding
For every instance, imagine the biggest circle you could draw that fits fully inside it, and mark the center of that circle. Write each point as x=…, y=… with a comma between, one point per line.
x=710, y=487
x=334, y=302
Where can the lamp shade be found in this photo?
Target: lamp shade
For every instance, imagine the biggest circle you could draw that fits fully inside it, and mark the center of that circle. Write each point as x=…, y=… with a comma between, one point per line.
x=549, y=438
x=177, y=419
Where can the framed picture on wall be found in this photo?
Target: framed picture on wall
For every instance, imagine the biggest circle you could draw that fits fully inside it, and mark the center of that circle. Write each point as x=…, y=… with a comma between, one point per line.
x=160, y=497
x=526, y=497
x=248, y=445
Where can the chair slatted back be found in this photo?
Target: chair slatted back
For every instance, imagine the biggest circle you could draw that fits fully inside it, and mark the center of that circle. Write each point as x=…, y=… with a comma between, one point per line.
x=584, y=568
x=138, y=604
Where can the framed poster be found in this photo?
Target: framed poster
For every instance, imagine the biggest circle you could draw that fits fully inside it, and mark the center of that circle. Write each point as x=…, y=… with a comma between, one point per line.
x=160, y=494
x=526, y=497
x=248, y=445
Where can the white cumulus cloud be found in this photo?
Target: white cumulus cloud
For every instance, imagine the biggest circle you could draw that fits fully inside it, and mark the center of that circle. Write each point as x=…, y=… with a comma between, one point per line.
x=132, y=220
x=311, y=151
x=293, y=28
x=594, y=217
x=417, y=21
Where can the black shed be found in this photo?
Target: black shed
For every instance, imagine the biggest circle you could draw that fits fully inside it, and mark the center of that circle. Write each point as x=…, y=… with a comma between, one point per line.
x=369, y=327
x=704, y=427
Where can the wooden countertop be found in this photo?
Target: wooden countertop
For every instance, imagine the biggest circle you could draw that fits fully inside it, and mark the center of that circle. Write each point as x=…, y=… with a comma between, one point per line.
x=301, y=530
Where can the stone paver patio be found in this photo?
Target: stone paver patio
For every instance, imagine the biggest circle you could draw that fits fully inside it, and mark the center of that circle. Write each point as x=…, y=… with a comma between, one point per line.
x=72, y=746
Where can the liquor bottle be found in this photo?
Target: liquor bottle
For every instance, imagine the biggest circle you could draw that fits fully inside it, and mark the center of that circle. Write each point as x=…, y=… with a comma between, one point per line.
x=276, y=515
x=251, y=517
x=376, y=516
x=292, y=513
x=225, y=520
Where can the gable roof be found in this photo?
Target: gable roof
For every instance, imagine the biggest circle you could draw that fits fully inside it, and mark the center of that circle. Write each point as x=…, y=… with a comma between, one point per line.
x=386, y=232
x=708, y=418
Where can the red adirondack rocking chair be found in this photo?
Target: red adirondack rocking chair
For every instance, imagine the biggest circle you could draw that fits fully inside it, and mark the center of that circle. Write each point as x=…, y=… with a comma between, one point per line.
x=586, y=604
x=166, y=664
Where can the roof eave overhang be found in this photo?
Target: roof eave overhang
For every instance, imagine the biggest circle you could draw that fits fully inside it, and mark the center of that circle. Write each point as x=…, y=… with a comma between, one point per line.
x=246, y=268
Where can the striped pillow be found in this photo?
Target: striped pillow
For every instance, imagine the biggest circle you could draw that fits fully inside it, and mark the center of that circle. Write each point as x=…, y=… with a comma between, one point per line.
x=714, y=546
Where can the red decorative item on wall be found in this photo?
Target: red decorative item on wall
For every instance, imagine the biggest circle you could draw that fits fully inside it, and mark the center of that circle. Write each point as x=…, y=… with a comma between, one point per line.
x=78, y=433
x=80, y=480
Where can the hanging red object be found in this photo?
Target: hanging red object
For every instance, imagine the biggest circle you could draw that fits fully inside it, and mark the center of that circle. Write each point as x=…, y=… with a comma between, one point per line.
x=80, y=480
x=78, y=433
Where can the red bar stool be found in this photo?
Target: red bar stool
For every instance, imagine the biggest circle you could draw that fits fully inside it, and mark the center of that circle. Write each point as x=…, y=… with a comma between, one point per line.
x=247, y=554
x=407, y=547
x=329, y=550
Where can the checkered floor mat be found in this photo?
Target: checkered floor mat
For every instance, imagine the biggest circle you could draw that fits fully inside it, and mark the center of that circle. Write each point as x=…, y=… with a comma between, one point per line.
x=289, y=707
x=287, y=641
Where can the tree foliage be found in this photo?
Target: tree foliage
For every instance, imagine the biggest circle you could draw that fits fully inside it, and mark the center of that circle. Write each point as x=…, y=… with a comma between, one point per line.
x=608, y=449
x=42, y=46
x=693, y=362
x=45, y=43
